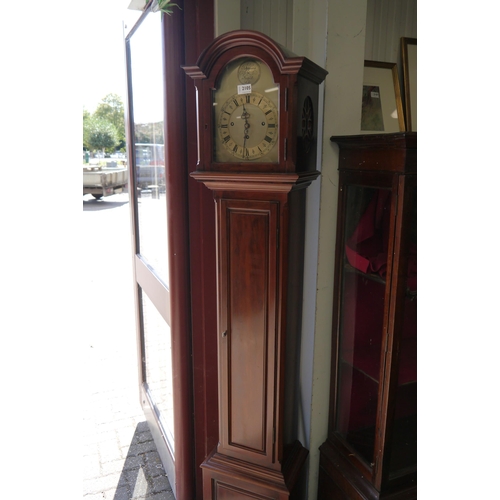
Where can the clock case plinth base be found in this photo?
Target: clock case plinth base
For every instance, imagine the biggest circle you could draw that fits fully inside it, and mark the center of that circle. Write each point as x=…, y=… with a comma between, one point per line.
x=227, y=478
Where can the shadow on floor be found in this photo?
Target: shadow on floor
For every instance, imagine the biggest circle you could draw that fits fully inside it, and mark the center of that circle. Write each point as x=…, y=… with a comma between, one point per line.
x=97, y=205
x=143, y=475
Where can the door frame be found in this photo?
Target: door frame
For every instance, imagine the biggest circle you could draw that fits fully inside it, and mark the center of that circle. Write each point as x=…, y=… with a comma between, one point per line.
x=190, y=306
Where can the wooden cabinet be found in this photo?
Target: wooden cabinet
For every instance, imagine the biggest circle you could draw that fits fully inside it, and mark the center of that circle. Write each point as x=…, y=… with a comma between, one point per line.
x=371, y=448
x=257, y=119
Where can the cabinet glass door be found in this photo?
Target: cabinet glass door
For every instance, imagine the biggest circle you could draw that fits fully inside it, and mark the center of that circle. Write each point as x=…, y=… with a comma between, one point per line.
x=377, y=371
x=362, y=316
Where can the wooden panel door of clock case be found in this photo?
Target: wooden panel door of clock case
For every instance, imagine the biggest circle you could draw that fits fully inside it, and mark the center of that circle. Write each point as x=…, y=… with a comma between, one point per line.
x=257, y=169
x=255, y=338
x=248, y=269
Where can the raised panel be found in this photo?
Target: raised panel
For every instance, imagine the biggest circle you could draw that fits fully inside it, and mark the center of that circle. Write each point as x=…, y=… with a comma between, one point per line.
x=225, y=491
x=248, y=264
x=247, y=340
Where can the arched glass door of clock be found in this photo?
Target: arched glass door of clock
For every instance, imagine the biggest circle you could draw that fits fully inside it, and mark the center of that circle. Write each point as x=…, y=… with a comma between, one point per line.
x=158, y=244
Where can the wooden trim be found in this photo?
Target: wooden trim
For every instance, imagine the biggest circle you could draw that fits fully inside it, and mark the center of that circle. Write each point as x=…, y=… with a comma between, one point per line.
x=130, y=140
x=153, y=287
x=250, y=479
x=157, y=431
x=184, y=34
x=178, y=248
x=237, y=181
x=198, y=34
x=406, y=79
x=405, y=140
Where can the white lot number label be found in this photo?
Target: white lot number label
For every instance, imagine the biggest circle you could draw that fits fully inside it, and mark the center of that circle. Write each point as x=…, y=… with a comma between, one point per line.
x=245, y=89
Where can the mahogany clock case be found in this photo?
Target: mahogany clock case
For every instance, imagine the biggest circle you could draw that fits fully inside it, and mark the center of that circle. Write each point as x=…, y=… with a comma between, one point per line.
x=260, y=204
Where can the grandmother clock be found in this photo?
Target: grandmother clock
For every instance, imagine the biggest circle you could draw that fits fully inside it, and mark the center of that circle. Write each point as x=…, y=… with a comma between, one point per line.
x=257, y=133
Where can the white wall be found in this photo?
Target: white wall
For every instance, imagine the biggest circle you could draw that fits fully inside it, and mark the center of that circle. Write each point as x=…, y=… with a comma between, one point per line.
x=344, y=55
x=386, y=22
x=227, y=16
x=272, y=17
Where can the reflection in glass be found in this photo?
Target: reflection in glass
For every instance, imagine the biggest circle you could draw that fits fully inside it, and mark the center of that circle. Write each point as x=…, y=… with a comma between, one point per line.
x=149, y=169
x=158, y=361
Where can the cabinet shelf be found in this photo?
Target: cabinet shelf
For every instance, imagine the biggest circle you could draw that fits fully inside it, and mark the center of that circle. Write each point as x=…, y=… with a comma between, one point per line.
x=376, y=278
x=364, y=360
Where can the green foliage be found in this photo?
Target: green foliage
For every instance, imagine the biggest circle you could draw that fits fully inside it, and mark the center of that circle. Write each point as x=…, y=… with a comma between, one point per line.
x=166, y=6
x=111, y=109
x=105, y=128
x=99, y=133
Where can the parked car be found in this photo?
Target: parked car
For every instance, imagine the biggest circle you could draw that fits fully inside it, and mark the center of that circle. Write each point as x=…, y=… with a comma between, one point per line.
x=150, y=175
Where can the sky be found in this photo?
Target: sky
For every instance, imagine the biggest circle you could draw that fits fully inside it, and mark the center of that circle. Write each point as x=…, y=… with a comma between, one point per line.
x=104, y=49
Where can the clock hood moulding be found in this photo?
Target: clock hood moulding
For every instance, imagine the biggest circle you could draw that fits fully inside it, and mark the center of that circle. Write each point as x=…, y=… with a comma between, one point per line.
x=285, y=145
x=287, y=61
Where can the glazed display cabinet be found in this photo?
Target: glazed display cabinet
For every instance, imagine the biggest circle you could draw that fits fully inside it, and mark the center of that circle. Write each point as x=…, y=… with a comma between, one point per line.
x=371, y=450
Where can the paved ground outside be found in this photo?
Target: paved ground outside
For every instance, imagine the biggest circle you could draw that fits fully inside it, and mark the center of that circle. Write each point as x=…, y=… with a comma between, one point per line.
x=120, y=461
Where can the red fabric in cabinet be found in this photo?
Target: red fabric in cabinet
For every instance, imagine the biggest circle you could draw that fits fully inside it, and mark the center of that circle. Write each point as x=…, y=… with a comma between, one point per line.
x=361, y=353
x=366, y=248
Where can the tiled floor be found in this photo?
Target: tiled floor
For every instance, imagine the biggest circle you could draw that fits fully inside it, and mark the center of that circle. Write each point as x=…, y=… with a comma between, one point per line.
x=120, y=461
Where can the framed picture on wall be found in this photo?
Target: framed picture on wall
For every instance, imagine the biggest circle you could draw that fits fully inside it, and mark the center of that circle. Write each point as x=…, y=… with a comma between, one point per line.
x=382, y=109
x=409, y=59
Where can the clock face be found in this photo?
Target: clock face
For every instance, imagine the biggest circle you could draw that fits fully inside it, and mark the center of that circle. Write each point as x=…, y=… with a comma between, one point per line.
x=248, y=126
x=246, y=113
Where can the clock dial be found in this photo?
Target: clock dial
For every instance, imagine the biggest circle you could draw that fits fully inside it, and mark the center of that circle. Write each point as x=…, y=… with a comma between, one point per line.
x=246, y=113
x=248, y=125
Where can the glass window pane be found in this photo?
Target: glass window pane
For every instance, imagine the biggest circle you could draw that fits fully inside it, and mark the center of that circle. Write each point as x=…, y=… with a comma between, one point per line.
x=361, y=322
x=158, y=361
x=153, y=238
x=146, y=61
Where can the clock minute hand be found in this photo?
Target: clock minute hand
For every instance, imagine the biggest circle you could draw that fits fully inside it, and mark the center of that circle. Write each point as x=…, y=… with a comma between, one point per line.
x=245, y=115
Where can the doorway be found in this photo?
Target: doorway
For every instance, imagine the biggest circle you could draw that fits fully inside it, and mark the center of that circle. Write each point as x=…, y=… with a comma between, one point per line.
x=163, y=396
